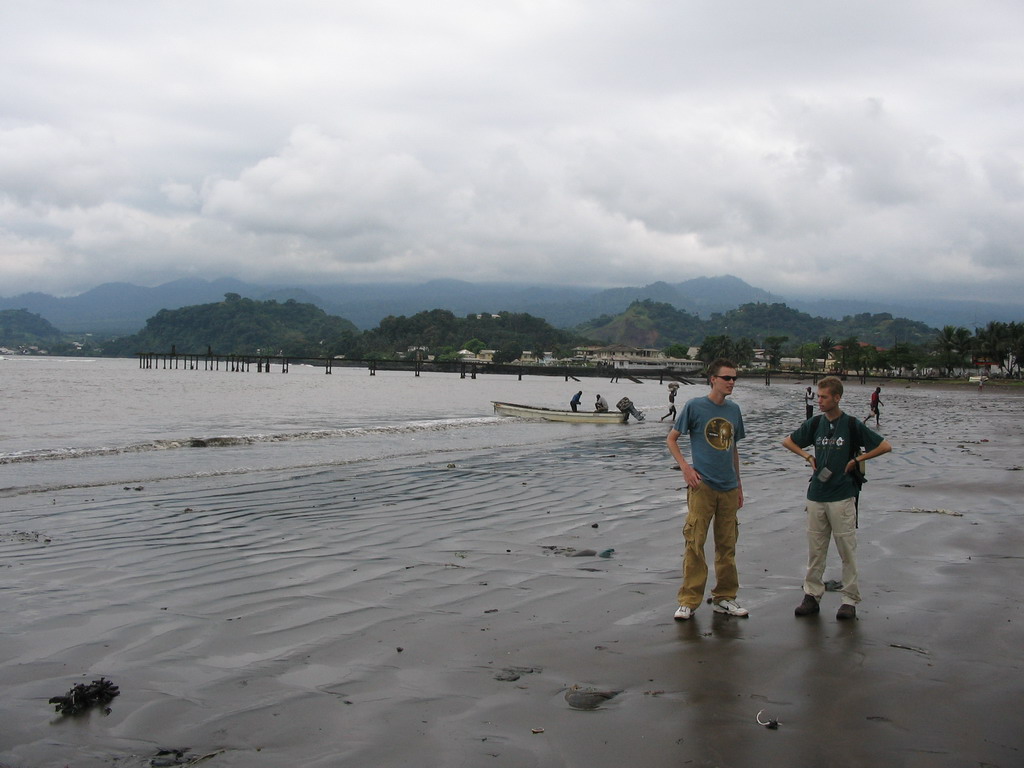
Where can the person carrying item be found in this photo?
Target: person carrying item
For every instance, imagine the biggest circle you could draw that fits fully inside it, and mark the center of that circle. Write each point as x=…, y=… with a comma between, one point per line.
x=714, y=493
x=832, y=493
x=575, y=402
x=876, y=404
x=672, y=389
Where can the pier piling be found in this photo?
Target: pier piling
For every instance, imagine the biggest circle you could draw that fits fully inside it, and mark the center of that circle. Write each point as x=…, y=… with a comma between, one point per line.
x=262, y=363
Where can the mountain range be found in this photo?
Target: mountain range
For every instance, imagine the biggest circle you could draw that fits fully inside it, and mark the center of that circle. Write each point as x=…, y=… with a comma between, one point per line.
x=123, y=308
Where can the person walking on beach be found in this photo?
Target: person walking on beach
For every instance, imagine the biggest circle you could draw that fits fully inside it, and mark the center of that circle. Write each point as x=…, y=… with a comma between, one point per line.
x=714, y=492
x=876, y=403
x=832, y=493
x=809, y=402
x=575, y=402
x=672, y=389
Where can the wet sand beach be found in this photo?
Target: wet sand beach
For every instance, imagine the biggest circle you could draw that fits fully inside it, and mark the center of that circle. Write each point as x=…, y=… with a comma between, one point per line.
x=428, y=612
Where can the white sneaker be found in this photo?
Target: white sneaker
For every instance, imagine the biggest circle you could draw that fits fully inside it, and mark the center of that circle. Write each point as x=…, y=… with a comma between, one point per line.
x=683, y=613
x=731, y=607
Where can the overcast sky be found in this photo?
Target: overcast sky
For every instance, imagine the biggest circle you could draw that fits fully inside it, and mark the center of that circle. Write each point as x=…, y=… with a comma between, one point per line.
x=809, y=147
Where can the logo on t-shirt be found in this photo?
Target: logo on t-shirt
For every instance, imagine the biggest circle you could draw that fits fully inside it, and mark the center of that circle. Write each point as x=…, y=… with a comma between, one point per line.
x=824, y=441
x=718, y=433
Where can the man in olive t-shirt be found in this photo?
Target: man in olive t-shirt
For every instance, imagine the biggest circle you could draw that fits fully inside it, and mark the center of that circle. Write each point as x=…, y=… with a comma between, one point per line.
x=831, y=494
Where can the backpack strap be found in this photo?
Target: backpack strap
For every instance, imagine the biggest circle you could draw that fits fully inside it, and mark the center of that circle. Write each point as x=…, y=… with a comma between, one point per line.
x=857, y=437
x=815, y=421
x=856, y=444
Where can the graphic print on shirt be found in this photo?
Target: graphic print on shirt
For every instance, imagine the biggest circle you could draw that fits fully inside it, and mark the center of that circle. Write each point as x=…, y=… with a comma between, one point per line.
x=824, y=441
x=718, y=433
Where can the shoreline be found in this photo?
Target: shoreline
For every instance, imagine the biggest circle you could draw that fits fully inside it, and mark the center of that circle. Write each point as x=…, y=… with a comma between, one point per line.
x=957, y=383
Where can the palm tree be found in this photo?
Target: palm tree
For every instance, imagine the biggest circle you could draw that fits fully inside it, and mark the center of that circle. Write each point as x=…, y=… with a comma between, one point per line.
x=742, y=352
x=1015, y=342
x=901, y=357
x=807, y=352
x=963, y=343
x=716, y=346
x=773, y=347
x=945, y=345
x=993, y=343
x=851, y=353
x=870, y=358
x=825, y=345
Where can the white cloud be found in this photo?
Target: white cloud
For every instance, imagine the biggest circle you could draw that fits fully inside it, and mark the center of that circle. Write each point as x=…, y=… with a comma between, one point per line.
x=808, y=147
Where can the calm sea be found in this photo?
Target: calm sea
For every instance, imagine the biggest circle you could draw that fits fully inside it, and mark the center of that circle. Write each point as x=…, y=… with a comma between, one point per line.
x=71, y=422
x=77, y=422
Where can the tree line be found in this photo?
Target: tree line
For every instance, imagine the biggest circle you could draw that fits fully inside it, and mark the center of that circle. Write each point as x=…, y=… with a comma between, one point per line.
x=238, y=325
x=950, y=351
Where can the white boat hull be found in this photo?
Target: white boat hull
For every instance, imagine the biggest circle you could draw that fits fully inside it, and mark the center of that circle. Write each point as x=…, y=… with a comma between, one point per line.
x=551, y=414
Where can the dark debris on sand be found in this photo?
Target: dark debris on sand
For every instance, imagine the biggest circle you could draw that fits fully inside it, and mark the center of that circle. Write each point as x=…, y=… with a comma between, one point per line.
x=166, y=758
x=98, y=693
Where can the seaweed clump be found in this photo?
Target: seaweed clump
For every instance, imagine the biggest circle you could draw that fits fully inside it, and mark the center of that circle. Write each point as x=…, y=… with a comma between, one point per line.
x=98, y=693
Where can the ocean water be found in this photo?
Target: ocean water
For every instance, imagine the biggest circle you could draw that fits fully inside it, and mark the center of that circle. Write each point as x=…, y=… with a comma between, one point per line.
x=72, y=422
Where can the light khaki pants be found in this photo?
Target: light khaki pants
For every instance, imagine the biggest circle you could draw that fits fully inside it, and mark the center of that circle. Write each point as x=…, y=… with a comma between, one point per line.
x=832, y=520
x=706, y=505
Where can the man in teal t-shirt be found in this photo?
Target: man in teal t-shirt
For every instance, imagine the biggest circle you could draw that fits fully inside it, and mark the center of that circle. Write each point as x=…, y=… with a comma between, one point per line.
x=713, y=491
x=832, y=493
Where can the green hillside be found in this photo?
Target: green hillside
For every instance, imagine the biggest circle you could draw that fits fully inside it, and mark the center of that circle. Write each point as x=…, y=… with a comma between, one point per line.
x=646, y=323
x=246, y=326
x=442, y=334
x=239, y=326
x=653, y=324
x=19, y=327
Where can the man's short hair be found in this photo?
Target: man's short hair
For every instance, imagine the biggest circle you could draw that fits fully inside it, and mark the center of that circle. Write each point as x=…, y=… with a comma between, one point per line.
x=718, y=364
x=833, y=385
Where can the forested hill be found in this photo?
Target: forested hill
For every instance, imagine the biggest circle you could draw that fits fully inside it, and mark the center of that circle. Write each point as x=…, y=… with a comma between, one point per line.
x=20, y=327
x=443, y=334
x=646, y=323
x=245, y=326
x=654, y=324
x=239, y=326
x=758, y=321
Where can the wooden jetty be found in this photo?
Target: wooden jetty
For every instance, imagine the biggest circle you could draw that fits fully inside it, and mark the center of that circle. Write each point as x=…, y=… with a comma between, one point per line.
x=210, y=361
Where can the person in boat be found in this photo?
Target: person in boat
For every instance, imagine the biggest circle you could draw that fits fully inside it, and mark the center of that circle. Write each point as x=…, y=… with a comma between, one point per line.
x=601, y=405
x=713, y=491
x=575, y=402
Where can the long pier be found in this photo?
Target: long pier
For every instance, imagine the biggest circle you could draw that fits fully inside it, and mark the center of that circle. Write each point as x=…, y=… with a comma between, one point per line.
x=210, y=361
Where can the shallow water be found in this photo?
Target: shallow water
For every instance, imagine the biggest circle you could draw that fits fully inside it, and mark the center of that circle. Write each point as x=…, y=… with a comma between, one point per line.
x=72, y=422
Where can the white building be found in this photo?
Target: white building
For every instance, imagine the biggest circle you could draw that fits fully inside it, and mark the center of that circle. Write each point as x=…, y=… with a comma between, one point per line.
x=621, y=357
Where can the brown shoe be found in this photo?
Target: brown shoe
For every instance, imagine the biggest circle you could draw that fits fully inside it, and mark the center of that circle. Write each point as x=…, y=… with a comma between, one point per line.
x=846, y=611
x=808, y=607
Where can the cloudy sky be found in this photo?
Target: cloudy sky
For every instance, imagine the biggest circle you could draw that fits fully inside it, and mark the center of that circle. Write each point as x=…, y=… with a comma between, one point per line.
x=810, y=147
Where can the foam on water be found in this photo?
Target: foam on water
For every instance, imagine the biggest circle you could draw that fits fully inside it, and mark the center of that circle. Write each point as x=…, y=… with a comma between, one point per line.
x=215, y=441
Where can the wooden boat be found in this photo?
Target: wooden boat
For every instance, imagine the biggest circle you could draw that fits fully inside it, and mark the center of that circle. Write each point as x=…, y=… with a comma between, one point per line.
x=551, y=414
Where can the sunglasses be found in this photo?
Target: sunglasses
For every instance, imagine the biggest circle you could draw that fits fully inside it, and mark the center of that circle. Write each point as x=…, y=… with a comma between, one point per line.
x=728, y=378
